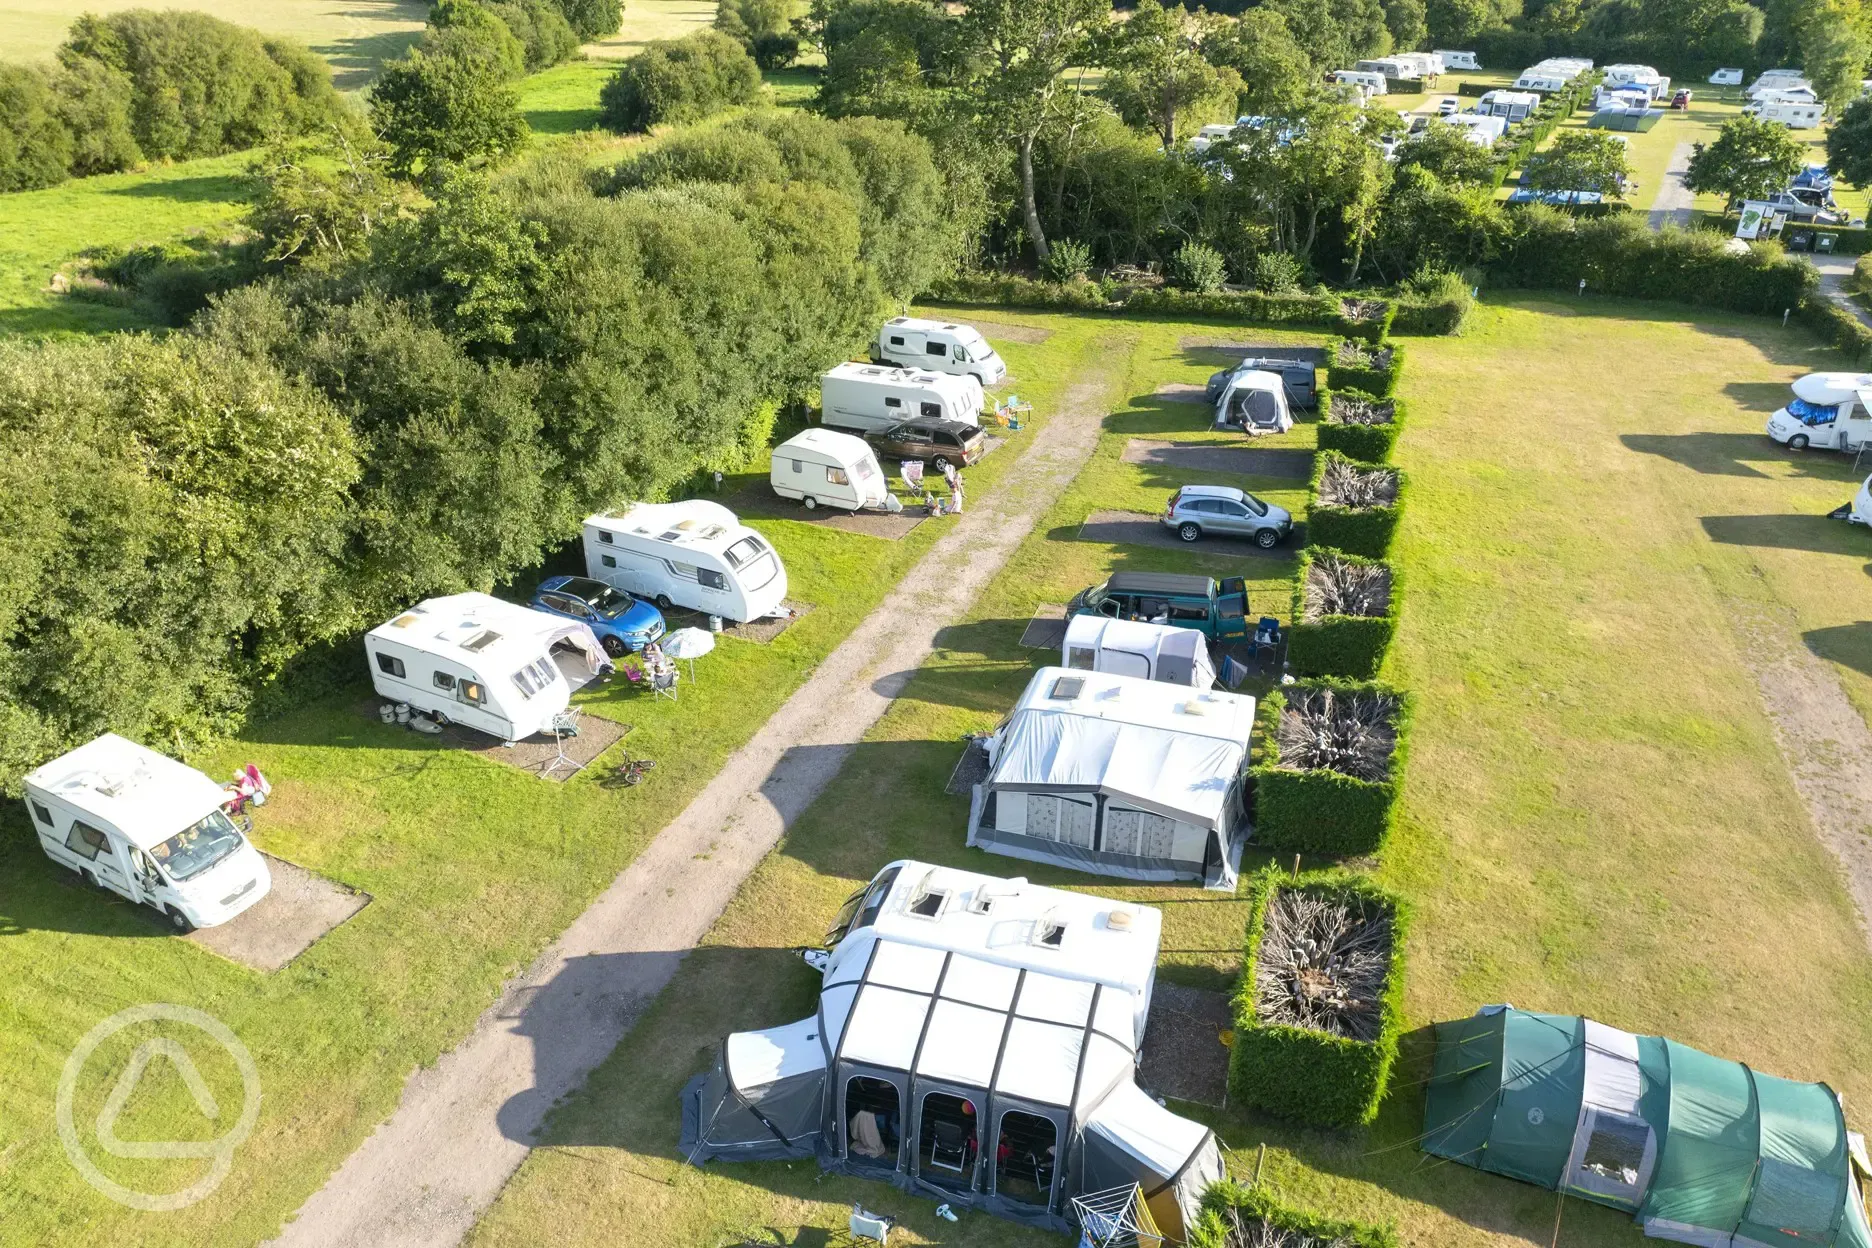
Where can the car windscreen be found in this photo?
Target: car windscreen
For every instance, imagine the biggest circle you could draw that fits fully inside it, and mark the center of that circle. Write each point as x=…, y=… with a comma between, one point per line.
x=192, y=851
x=608, y=602
x=748, y=548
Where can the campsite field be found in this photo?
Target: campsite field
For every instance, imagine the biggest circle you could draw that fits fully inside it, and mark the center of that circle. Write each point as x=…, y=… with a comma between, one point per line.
x=472, y=866
x=1596, y=817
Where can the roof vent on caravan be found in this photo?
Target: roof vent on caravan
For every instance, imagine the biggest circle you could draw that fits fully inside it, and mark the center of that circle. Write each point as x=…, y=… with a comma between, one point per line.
x=1118, y=920
x=928, y=901
x=404, y=621
x=983, y=902
x=1066, y=688
x=480, y=641
x=1049, y=932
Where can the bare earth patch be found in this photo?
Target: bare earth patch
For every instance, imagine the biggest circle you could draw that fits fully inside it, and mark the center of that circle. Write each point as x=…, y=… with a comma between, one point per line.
x=540, y=755
x=760, y=632
x=1184, y=1056
x=291, y=918
x=1211, y=457
x=1047, y=629
x=1028, y=334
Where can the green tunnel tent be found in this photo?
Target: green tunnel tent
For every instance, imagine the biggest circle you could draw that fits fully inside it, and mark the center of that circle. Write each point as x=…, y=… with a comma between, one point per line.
x=1698, y=1149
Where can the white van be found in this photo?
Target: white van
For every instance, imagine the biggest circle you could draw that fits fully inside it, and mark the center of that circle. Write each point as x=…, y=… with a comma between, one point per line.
x=694, y=554
x=939, y=347
x=147, y=827
x=1828, y=410
x=866, y=398
x=1368, y=83
x=1458, y=60
x=1176, y=656
x=818, y=466
x=474, y=660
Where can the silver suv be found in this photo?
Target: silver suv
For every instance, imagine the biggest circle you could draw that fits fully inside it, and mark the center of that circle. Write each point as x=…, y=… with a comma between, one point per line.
x=1198, y=510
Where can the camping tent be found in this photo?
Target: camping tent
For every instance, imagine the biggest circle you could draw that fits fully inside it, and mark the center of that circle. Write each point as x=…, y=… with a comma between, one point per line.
x=958, y=1009
x=1254, y=400
x=1178, y=656
x=1700, y=1150
x=1118, y=776
x=1620, y=118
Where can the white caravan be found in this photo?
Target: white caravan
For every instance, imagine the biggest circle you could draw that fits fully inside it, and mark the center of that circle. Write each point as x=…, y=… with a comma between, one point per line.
x=1175, y=656
x=1567, y=67
x=143, y=825
x=693, y=554
x=1368, y=83
x=1861, y=512
x=474, y=660
x=1510, y=106
x=1794, y=114
x=1539, y=80
x=1480, y=128
x=1386, y=66
x=939, y=347
x=1731, y=77
x=870, y=398
x=1629, y=75
x=1209, y=135
x=1776, y=80
x=1422, y=64
x=823, y=466
x=1458, y=60
x=1828, y=410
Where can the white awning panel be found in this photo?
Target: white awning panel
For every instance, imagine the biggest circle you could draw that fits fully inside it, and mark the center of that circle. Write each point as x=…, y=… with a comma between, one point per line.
x=1041, y=1061
x=986, y=984
x=1055, y=1000
x=758, y=1058
x=961, y=1043
x=1132, y=1121
x=906, y=966
x=884, y=1027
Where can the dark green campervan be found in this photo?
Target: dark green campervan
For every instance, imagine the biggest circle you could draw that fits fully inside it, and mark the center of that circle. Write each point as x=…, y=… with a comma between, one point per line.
x=1218, y=608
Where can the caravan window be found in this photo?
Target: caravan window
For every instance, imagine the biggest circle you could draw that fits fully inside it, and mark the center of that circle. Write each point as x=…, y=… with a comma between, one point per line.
x=932, y=411
x=711, y=579
x=891, y=402
x=897, y=340
x=1082, y=658
x=604, y=535
x=798, y=466
x=742, y=551
x=42, y=814
x=471, y=692
x=936, y=348
x=609, y=561
x=444, y=681
x=1026, y=1149
x=836, y=476
x=535, y=676
x=390, y=665
x=86, y=841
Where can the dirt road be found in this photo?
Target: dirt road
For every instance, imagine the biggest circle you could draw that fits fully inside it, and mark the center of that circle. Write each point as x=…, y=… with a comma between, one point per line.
x=466, y=1124
x=1674, y=200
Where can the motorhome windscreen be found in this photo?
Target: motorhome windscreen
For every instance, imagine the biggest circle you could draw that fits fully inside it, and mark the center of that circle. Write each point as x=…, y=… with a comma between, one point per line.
x=192, y=851
x=1812, y=413
x=534, y=677
x=748, y=548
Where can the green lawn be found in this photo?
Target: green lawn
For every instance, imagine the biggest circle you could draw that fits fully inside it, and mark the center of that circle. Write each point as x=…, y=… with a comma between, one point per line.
x=1595, y=819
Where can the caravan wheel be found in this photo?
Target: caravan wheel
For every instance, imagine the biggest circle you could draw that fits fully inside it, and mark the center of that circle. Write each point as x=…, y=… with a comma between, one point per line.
x=663, y=602
x=811, y=502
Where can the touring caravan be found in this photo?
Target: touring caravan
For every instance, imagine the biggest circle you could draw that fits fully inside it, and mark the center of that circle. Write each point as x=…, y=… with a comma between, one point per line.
x=1566, y=67
x=1772, y=80
x=1480, y=128
x=148, y=828
x=1794, y=114
x=1175, y=656
x=1420, y=64
x=1828, y=410
x=1210, y=135
x=1368, y=84
x=1385, y=66
x=693, y=554
x=1539, y=80
x=1632, y=75
x=474, y=660
x=1729, y=77
x=867, y=398
x=1118, y=776
x=823, y=466
x=938, y=347
x=976, y=1042
x=1510, y=106
x=1458, y=60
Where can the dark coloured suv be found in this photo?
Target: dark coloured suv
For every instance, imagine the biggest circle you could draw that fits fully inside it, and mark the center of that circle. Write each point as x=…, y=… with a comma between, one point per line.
x=937, y=442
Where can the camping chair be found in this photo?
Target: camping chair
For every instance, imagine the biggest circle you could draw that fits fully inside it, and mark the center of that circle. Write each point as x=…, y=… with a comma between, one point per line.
x=663, y=683
x=949, y=1146
x=1267, y=640
x=867, y=1225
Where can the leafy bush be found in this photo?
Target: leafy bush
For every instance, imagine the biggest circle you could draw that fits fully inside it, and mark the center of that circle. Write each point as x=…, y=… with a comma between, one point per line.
x=592, y=19
x=447, y=102
x=1353, y=429
x=1242, y=308
x=1433, y=302
x=1839, y=327
x=1010, y=290
x=1352, y=364
x=541, y=28
x=1319, y=810
x=1862, y=275
x=35, y=146
x=1330, y=638
x=1276, y=273
x=1227, y=1206
x=1066, y=261
x=1364, y=530
x=1198, y=268
x=1309, y=1074
x=679, y=80
x=470, y=21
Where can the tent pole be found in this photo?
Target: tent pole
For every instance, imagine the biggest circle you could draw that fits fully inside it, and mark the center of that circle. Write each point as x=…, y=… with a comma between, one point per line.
x=1559, y=1208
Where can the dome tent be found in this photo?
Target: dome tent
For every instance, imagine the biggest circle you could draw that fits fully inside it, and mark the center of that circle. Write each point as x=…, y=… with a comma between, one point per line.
x=1700, y=1150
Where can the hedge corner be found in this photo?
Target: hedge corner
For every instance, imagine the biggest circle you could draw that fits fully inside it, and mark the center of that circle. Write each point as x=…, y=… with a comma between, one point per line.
x=1365, y=530
x=1357, y=439
x=1307, y=1074
x=1319, y=811
x=1358, y=365
x=1342, y=643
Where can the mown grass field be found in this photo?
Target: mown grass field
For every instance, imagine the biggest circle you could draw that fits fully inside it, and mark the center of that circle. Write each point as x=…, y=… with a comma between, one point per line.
x=473, y=866
x=1596, y=818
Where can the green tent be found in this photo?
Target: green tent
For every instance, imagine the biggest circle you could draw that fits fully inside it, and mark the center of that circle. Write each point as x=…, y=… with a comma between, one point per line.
x=1624, y=119
x=1698, y=1149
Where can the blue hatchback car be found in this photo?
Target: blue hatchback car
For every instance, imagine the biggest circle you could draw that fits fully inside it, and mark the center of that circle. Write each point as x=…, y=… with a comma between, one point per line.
x=624, y=624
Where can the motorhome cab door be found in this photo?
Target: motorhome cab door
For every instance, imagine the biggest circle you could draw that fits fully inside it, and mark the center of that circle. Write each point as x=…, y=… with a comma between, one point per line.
x=1855, y=423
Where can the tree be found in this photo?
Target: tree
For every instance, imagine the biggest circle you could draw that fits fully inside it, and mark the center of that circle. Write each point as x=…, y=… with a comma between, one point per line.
x=1848, y=145
x=1580, y=160
x=319, y=201
x=1447, y=152
x=1296, y=174
x=679, y=80
x=1834, y=51
x=35, y=147
x=1275, y=71
x=593, y=19
x=1158, y=74
x=1456, y=23
x=1430, y=223
x=1335, y=33
x=1408, y=23
x=1750, y=159
x=1022, y=49
x=447, y=103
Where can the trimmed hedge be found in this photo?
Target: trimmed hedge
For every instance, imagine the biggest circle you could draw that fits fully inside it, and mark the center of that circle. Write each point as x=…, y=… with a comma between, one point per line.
x=1323, y=812
x=1370, y=443
x=1364, y=531
x=1253, y=1205
x=1433, y=315
x=1011, y=290
x=1373, y=329
x=1839, y=327
x=1301, y=1073
x=1352, y=646
x=1373, y=378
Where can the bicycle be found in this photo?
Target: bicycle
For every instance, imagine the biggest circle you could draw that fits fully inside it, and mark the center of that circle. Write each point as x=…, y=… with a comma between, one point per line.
x=629, y=772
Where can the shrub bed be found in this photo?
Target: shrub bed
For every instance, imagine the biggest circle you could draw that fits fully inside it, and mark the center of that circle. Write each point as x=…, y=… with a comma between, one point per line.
x=1317, y=1014
x=1369, y=319
x=1355, y=506
x=1345, y=612
x=1839, y=327
x=1234, y=1216
x=1327, y=780
x=1357, y=365
x=679, y=80
x=1358, y=425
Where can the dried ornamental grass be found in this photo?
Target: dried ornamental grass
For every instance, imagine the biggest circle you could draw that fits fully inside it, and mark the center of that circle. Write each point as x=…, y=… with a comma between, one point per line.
x=1323, y=963
x=1348, y=411
x=1257, y=1233
x=1344, y=484
x=1361, y=309
x=1358, y=355
x=1352, y=733
x=1337, y=586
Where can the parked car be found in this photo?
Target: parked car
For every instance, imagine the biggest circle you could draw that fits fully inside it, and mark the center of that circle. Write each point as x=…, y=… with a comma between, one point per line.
x=1681, y=99
x=1300, y=378
x=1199, y=511
x=1218, y=608
x=623, y=624
x=937, y=442
x=1447, y=105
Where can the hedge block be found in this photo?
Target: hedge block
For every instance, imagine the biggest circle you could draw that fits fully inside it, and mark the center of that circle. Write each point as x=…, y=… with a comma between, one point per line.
x=1357, y=365
x=1303, y=1073
x=1365, y=531
x=1352, y=646
x=1370, y=443
x=1317, y=811
x=1366, y=319
x=1226, y=1203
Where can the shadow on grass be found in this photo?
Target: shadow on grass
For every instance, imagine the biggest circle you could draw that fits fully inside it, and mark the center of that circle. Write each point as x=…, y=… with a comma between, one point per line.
x=561, y=120
x=1757, y=396
x=1730, y=454
x=1818, y=532
x=208, y=188
x=41, y=895
x=355, y=61
x=1849, y=645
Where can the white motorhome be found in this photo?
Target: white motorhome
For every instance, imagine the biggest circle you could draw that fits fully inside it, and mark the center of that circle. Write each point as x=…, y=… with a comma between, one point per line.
x=1175, y=656
x=1567, y=67
x=939, y=347
x=1479, y=128
x=1828, y=410
x=694, y=554
x=149, y=828
x=1794, y=114
x=1623, y=75
x=1458, y=60
x=823, y=466
x=1861, y=512
x=1368, y=84
x=1510, y=106
x=474, y=660
x=870, y=398
x=1776, y=80
x=1731, y=77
